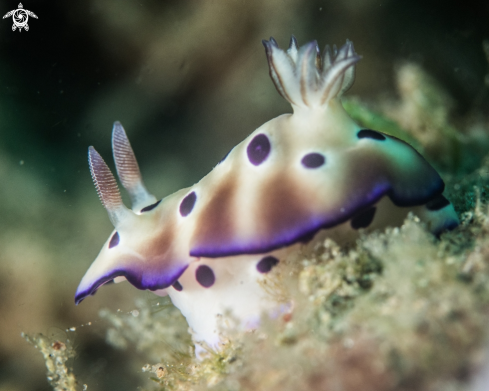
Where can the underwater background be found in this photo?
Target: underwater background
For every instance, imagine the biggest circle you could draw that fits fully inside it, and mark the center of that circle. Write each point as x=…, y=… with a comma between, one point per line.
x=189, y=79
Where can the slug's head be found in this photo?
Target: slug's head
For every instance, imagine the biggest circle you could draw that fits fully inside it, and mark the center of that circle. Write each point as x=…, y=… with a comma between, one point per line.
x=142, y=248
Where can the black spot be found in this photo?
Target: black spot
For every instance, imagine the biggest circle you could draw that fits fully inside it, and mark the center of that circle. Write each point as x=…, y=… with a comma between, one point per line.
x=188, y=204
x=205, y=276
x=258, y=149
x=437, y=203
x=114, y=240
x=150, y=207
x=364, y=219
x=266, y=264
x=313, y=160
x=177, y=286
x=368, y=133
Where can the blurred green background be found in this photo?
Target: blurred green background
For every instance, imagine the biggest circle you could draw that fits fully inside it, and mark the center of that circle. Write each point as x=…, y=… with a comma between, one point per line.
x=188, y=79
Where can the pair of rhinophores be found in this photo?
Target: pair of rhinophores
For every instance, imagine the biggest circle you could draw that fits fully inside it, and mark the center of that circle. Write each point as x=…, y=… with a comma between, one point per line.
x=313, y=173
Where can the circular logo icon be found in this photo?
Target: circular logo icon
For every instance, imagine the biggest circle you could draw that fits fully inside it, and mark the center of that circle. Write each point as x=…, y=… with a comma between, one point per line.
x=20, y=16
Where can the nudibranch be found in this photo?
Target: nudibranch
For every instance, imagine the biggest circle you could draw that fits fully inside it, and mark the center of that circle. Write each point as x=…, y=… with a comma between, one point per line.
x=314, y=173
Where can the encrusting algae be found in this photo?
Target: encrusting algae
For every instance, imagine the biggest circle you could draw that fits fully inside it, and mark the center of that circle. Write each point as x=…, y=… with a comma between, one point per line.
x=56, y=354
x=398, y=310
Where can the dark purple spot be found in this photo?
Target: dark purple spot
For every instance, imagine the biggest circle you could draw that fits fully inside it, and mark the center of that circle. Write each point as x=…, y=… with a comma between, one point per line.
x=205, y=276
x=364, y=219
x=258, y=149
x=150, y=207
x=114, y=240
x=452, y=224
x=313, y=160
x=177, y=286
x=188, y=204
x=266, y=264
x=368, y=133
x=437, y=203
x=447, y=226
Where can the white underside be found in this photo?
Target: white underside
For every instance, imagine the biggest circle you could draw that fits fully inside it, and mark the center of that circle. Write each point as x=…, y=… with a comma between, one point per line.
x=235, y=300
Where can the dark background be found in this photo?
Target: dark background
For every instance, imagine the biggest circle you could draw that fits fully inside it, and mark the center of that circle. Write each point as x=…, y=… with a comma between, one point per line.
x=188, y=80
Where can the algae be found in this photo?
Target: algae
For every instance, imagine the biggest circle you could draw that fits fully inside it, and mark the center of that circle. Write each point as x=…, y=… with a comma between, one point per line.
x=56, y=354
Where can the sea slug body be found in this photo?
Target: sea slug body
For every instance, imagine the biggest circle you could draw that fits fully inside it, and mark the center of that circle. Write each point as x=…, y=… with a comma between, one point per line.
x=299, y=176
